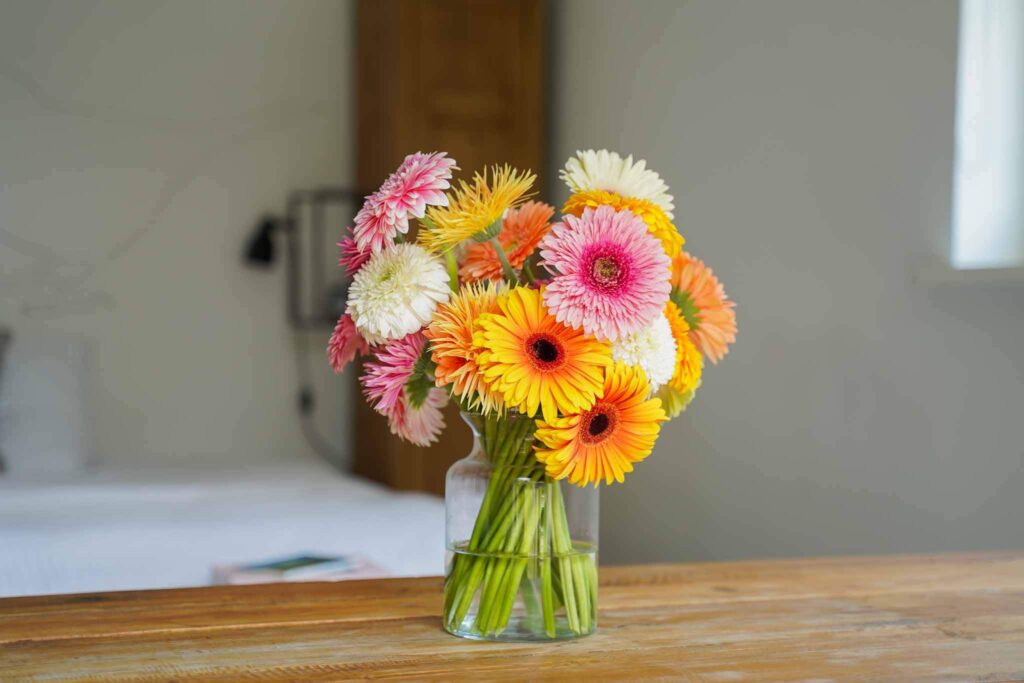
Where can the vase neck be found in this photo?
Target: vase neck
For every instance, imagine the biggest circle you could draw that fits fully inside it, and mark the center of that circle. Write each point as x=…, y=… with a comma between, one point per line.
x=503, y=441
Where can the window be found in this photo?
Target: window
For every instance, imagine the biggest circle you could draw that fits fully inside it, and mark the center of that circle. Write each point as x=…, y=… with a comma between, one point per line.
x=988, y=183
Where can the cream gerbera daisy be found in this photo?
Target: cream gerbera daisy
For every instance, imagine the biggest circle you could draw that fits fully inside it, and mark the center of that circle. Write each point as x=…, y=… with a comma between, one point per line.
x=396, y=292
x=604, y=170
x=652, y=349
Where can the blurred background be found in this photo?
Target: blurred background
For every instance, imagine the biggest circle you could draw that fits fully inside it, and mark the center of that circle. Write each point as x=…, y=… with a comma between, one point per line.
x=174, y=177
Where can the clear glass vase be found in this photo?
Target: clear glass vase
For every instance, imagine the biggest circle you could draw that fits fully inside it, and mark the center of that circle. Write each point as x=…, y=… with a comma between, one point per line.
x=522, y=547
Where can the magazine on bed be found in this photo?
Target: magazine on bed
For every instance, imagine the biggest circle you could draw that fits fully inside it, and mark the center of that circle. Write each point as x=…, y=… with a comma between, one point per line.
x=300, y=567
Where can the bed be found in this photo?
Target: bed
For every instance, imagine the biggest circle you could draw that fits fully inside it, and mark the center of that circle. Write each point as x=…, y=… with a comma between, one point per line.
x=162, y=527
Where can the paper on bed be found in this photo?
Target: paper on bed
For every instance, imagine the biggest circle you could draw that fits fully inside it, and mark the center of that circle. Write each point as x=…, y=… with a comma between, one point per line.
x=304, y=567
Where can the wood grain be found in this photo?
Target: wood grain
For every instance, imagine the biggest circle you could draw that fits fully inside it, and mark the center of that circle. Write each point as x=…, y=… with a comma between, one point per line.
x=915, y=618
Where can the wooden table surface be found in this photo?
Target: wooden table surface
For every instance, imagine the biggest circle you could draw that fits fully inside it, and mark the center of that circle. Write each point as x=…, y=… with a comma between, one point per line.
x=912, y=618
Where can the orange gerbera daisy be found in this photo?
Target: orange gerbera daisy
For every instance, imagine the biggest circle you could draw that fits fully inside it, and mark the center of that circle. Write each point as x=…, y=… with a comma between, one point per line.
x=603, y=441
x=451, y=341
x=534, y=361
x=521, y=231
x=689, y=363
x=705, y=306
x=658, y=222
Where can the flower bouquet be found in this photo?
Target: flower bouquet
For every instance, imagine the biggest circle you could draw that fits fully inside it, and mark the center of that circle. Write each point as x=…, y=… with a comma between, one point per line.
x=565, y=344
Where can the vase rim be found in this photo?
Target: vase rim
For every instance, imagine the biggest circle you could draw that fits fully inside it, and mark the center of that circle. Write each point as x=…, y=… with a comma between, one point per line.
x=511, y=414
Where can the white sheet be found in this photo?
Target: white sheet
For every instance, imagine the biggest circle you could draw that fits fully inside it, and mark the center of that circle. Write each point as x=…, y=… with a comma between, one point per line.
x=161, y=528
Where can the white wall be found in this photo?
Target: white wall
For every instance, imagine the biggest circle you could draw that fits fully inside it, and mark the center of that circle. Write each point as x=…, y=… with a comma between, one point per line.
x=809, y=146
x=139, y=143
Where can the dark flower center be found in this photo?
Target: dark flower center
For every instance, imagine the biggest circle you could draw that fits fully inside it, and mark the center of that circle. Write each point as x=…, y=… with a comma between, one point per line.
x=599, y=423
x=546, y=351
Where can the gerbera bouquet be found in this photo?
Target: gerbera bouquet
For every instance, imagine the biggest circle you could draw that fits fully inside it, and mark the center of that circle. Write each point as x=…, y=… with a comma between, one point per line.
x=568, y=343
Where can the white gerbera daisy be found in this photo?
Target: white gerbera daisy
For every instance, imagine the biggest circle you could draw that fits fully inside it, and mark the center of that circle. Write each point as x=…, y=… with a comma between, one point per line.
x=652, y=349
x=396, y=292
x=604, y=170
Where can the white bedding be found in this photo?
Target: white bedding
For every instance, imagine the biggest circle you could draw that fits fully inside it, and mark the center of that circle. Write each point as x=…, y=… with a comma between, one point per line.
x=161, y=528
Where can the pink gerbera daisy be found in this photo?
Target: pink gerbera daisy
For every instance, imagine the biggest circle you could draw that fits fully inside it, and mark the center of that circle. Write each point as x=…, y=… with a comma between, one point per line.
x=352, y=258
x=386, y=375
x=419, y=182
x=376, y=225
x=345, y=343
x=419, y=425
x=611, y=276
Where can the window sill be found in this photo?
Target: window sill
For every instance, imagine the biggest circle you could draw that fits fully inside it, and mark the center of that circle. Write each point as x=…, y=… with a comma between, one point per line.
x=937, y=275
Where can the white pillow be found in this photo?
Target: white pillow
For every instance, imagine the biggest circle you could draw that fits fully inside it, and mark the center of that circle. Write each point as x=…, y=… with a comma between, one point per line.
x=43, y=425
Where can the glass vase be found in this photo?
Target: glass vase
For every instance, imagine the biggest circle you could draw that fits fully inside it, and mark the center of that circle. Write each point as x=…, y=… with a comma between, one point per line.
x=522, y=547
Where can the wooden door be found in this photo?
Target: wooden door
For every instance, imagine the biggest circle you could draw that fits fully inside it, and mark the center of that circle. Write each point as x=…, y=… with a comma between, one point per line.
x=462, y=76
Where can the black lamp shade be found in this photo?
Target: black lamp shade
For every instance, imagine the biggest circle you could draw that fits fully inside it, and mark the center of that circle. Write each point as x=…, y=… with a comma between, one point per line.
x=260, y=252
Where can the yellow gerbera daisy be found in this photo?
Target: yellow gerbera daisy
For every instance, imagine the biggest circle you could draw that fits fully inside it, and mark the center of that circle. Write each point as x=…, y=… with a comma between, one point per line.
x=689, y=361
x=675, y=402
x=451, y=342
x=658, y=222
x=475, y=209
x=605, y=440
x=534, y=361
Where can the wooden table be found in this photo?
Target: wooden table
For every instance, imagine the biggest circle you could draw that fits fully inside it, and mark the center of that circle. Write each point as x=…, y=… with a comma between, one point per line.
x=953, y=617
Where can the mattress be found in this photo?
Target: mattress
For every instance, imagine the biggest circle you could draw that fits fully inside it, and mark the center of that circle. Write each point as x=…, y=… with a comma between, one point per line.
x=167, y=527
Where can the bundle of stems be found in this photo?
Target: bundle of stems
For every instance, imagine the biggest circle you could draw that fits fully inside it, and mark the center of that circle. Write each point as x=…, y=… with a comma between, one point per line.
x=521, y=535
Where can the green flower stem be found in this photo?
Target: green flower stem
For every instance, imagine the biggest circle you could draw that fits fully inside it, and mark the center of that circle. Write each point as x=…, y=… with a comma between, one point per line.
x=492, y=427
x=547, y=597
x=489, y=596
x=500, y=579
x=466, y=590
x=462, y=577
x=528, y=274
x=506, y=267
x=507, y=571
x=562, y=545
x=533, y=606
x=521, y=535
x=500, y=436
x=579, y=580
x=515, y=567
x=453, y=269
